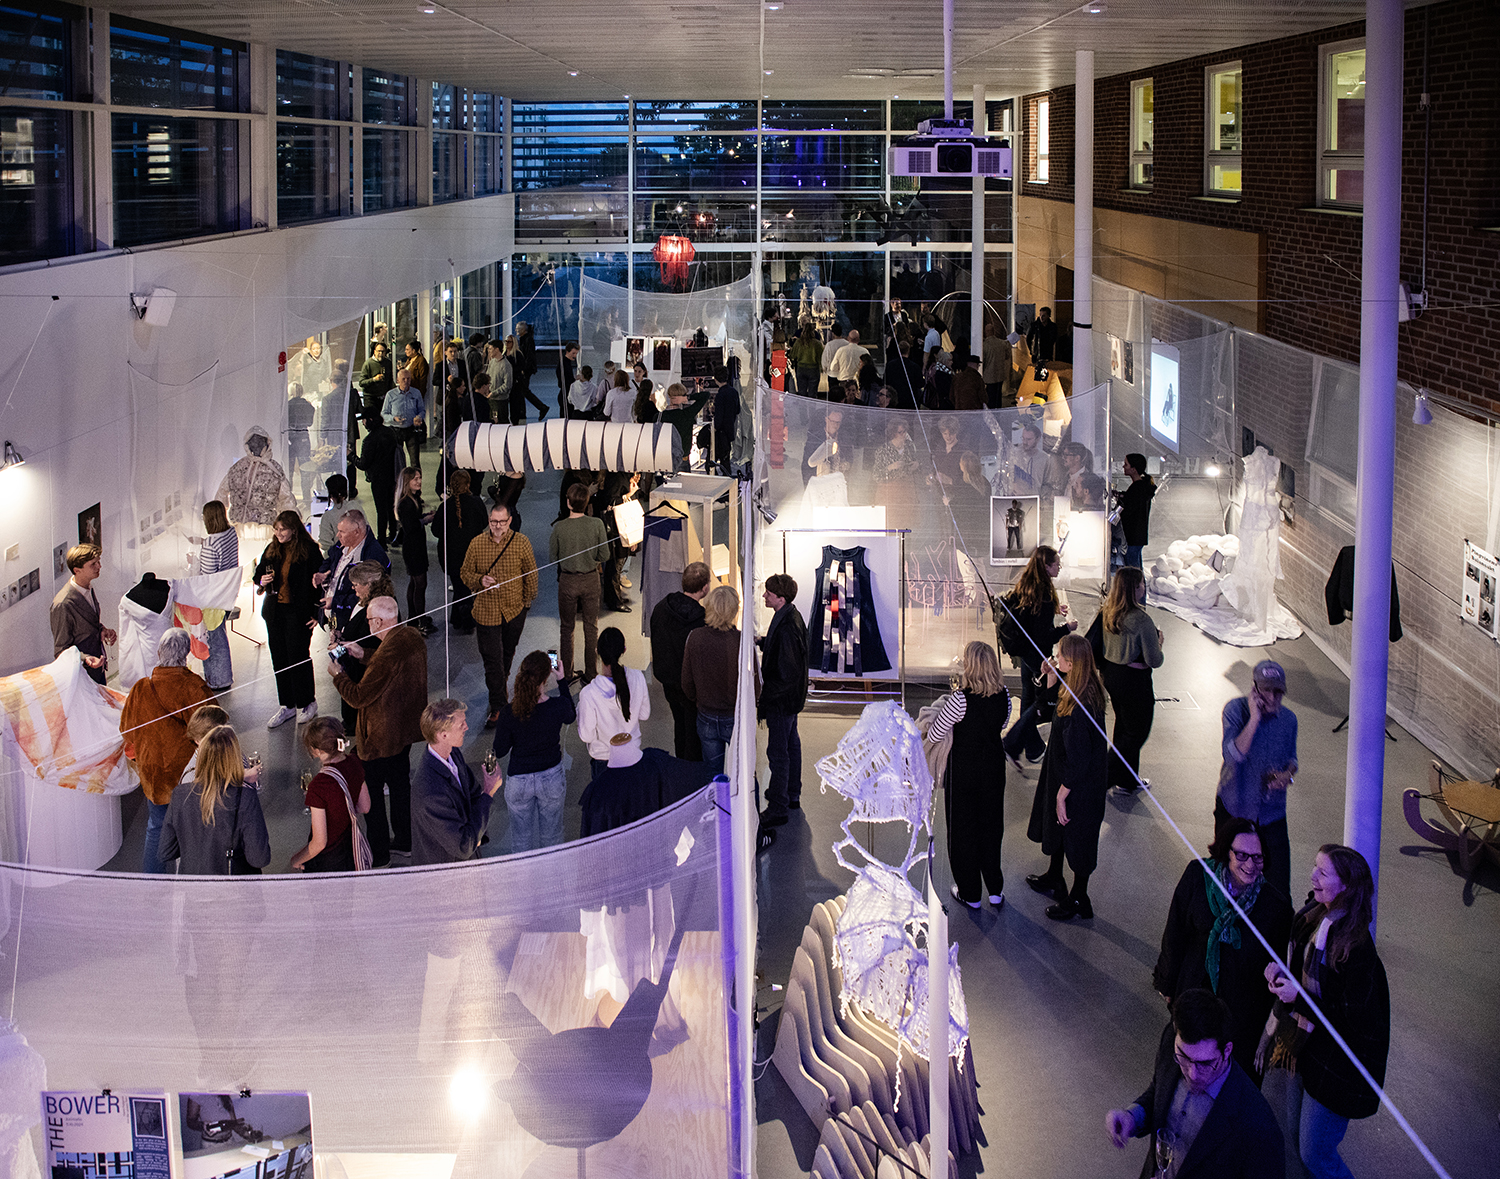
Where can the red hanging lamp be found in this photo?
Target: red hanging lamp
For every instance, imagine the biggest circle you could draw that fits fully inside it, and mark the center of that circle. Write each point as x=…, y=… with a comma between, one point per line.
x=673, y=253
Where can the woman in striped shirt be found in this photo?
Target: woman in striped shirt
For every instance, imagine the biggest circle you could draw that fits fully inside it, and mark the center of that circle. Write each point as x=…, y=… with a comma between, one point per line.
x=221, y=550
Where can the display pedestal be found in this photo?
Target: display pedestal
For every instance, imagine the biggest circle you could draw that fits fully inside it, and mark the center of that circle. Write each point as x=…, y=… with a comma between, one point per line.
x=69, y=829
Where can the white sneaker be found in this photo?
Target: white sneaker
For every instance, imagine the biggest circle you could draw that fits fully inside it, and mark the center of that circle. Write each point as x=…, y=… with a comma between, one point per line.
x=307, y=713
x=997, y=899
x=280, y=717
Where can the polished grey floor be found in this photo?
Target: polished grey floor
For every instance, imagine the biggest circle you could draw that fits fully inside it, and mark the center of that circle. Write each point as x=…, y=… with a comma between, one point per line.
x=1063, y=1017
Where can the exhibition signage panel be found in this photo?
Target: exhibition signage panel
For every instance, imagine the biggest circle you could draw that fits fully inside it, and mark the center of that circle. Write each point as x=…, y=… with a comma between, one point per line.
x=97, y=1134
x=1481, y=575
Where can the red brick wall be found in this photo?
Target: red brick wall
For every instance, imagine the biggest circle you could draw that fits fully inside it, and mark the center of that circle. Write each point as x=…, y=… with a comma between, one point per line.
x=1313, y=258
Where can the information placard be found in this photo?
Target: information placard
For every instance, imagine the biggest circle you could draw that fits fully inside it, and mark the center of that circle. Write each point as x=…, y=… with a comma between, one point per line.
x=93, y=1135
x=1481, y=574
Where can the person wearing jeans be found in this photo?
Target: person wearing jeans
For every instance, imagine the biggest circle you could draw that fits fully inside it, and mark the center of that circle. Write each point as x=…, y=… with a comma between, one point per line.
x=711, y=673
x=220, y=551
x=783, y=695
x=529, y=729
x=154, y=724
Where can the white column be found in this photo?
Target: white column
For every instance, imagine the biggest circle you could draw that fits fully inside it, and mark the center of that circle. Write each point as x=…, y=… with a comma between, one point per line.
x=101, y=174
x=424, y=140
x=1385, y=30
x=976, y=282
x=263, y=135
x=937, y=1032
x=1083, y=224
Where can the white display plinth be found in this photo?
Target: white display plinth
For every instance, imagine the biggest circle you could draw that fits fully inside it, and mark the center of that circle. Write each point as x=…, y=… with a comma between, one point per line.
x=66, y=828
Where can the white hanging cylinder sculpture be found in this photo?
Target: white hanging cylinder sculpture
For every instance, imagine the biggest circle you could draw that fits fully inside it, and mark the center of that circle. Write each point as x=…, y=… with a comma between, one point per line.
x=558, y=445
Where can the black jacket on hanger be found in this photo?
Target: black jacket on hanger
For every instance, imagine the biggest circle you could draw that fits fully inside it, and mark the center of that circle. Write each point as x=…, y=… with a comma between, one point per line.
x=1338, y=594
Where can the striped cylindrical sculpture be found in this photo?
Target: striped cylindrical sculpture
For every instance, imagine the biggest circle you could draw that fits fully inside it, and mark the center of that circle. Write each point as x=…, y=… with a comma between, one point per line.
x=560, y=445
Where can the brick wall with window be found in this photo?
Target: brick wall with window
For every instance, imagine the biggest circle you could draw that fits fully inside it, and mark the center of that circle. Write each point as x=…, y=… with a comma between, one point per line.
x=1313, y=256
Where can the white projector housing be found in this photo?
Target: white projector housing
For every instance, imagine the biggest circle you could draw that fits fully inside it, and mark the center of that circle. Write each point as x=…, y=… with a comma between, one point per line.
x=951, y=157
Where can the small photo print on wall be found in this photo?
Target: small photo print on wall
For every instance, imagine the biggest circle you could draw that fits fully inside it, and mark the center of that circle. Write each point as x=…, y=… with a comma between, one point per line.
x=91, y=526
x=225, y=1133
x=1015, y=522
x=60, y=561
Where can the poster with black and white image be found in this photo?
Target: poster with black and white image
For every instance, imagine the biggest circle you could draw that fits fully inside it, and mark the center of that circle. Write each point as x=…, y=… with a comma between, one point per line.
x=223, y=1134
x=94, y=1135
x=1015, y=524
x=1481, y=576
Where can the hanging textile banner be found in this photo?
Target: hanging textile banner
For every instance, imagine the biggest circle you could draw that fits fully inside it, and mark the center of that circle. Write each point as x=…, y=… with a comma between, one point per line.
x=558, y=446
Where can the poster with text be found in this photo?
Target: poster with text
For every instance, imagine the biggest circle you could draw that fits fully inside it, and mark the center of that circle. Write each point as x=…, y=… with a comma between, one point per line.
x=99, y=1135
x=266, y=1135
x=1015, y=526
x=1165, y=402
x=1481, y=577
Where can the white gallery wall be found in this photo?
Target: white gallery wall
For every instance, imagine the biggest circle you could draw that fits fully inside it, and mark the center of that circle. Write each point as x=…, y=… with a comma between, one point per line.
x=109, y=410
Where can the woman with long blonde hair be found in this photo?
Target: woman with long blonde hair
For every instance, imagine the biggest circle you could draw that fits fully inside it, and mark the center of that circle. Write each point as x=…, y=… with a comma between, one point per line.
x=1132, y=647
x=975, y=714
x=215, y=826
x=1068, y=809
x=414, y=520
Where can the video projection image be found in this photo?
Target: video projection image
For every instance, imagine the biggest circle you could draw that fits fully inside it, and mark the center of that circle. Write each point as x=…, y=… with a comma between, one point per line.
x=1164, y=409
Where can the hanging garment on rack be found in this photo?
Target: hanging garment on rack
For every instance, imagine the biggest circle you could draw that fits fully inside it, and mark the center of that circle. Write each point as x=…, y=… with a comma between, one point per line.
x=844, y=633
x=665, y=546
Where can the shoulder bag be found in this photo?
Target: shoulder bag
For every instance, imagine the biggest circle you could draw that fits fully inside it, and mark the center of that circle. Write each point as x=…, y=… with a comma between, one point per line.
x=234, y=855
x=358, y=831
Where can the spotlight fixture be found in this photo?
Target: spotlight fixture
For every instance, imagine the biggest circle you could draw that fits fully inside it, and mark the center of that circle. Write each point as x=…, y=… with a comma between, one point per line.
x=12, y=457
x=1212, y=470
x=1421, y=415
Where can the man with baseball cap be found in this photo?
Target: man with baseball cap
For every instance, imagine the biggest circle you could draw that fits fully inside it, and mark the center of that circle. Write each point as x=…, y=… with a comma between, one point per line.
x=1260, y=759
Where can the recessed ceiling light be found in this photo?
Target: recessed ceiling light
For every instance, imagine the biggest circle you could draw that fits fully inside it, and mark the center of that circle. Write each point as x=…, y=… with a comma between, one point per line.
x=773, y=6
x=572, y=73
x=769, y=73
x=1094, y=7
x=429, y=9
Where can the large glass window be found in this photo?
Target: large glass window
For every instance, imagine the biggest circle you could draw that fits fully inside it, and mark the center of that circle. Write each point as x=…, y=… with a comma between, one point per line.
x=389, y=98
x=1342, y=125
x=906, y=114
x=824, y=116
x=596, y=160
x=1142, y=133
x=536, y=117
x=692, y=162
x=34, y=58
x=175, y=178
x=704, y=217
x=448, y=112
x=308, y=182
x=1224, y=132
x=695, y=116
x=389, y=175
x=312, y=87
x=487, y=112
x=823, y=161
x=450, y=179
x=36, y=197
x=489, y=165
x=150, y=65
x=1040, y=147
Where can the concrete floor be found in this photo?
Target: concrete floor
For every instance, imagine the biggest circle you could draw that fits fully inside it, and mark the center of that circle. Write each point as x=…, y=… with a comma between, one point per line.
x=1063, y=1017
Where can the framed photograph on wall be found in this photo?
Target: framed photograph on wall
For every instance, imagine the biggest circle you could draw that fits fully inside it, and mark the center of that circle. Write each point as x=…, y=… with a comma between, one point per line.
x=91, y=526
x=1015, y=527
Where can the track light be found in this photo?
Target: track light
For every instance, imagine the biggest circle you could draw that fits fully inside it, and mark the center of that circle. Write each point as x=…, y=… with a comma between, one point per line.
x=1212, y=470
x=1421, y=413
x=12, y=457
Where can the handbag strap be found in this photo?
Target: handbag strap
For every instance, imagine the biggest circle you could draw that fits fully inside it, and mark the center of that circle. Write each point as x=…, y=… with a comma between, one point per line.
x=362, y=857
x=234, y=833
x=344, y=786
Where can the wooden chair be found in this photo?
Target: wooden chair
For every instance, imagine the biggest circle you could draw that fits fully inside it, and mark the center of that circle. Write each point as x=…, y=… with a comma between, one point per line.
x=1471, y=811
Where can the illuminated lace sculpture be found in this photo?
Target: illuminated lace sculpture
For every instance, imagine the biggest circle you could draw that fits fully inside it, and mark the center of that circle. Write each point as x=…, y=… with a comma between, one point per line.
x=881, y=941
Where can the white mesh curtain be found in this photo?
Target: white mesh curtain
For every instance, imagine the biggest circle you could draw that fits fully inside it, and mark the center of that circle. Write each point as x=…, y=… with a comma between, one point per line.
x=604, y=313
x=170, y=427
x=448, y=1011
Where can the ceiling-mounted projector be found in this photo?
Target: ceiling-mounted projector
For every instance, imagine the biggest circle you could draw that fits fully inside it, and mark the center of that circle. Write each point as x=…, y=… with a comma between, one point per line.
x=949, y=148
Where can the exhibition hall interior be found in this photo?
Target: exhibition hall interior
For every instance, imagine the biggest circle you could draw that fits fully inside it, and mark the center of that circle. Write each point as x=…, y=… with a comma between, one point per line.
x=1027, y=475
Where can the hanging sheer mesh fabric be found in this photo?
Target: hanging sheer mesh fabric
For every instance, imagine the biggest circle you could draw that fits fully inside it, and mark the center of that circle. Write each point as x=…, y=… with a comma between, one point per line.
x=604, y=314
x=1008, y=481
x=472, y=1011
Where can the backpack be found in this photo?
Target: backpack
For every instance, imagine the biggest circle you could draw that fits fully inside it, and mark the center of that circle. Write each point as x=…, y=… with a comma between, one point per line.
x=1011, y=637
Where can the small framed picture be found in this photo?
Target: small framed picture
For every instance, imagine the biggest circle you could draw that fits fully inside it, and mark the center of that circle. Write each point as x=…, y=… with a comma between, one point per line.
x=1015, y=528
x=91, y=526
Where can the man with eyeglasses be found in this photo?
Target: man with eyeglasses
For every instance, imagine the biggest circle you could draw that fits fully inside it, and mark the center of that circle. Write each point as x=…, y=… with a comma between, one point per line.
x=1205, y=1117
x=1260, y=763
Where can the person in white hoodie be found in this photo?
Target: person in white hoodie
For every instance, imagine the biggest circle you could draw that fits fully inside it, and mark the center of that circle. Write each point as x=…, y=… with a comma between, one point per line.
x=615, y=701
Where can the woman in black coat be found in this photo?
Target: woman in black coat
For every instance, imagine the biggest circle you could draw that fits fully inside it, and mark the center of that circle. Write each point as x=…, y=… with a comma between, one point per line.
x=414, y=546
x=462, y=517
x=1068, y=808
x=1205, y=944
x=284, y=575
x=1035, y=605
x=1333, y=955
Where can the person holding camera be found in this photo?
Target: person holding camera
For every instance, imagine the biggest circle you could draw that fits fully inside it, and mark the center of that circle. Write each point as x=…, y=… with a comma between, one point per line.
x=529, y=729
x=1260, y=763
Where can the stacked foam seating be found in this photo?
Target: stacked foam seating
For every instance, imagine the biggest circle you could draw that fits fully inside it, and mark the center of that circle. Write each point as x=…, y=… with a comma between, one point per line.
x=868, y=1096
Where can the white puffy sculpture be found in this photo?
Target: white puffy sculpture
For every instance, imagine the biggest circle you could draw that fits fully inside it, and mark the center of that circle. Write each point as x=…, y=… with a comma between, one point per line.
x=879, y=767
x=1251, y=588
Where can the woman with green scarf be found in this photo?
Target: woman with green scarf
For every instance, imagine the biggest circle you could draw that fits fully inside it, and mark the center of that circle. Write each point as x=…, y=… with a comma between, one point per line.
x=1206, y=944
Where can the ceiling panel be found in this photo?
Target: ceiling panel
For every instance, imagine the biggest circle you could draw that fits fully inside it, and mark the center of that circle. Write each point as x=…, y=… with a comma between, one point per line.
x=666, y=49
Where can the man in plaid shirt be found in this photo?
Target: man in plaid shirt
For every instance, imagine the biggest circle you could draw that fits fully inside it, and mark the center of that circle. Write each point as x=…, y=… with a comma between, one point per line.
x=501, y=570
